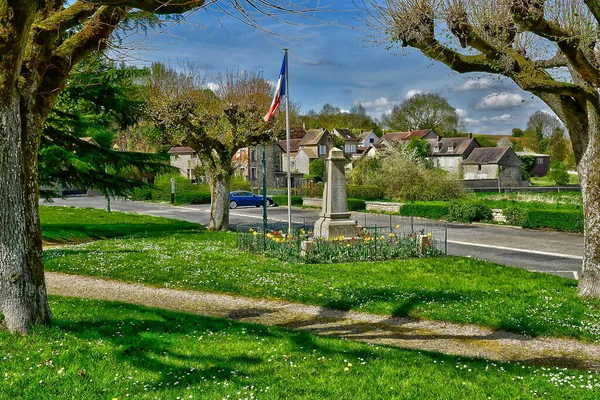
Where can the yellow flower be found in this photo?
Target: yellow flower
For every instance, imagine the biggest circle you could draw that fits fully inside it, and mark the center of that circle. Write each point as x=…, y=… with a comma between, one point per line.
x=349, y=364
x=392, y=235
x=251, y=230
x=255, y=233
x=346, y=369
x=277, y=240
x=331, y=239
x=348, y=245
x=302, y=231
x=429, y=234
x=280, y=232
x=398, y=226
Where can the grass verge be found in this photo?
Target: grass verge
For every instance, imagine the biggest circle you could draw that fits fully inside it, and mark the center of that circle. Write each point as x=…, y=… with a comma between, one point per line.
x=462, y=290
x=70, y=224
x=107, y=350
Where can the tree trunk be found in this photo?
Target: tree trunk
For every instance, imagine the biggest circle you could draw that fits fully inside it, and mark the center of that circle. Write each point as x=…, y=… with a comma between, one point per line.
x=219, y=200
x=23, y=299
x=589, y=179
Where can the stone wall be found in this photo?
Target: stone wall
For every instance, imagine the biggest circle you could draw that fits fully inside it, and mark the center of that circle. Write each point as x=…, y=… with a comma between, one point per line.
x=383, y=206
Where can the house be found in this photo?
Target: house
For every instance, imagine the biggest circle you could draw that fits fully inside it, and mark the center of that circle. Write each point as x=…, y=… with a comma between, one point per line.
x=492, y=167
x=186, y=159
x=315, y=144
x=375, y=150
x=390, y=139
x=350, y=141
x=365, y=139
x=294, y=148
x=542, y=163
x=449, y=153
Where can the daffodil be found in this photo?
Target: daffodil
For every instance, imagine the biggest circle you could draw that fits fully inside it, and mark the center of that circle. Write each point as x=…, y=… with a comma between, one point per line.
x=398, y=226
x=255, y=233
x=429, y=234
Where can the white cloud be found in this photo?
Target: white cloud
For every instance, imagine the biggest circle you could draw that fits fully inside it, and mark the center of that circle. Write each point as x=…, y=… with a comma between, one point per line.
x=475, y=84
x=345, y=111
x=375, y=108
x=413, y=92
x=461, y=113
x=499, y=101
x=501, y=118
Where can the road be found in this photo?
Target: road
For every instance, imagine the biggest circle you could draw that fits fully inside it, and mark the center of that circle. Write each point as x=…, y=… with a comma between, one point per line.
x=557, y=253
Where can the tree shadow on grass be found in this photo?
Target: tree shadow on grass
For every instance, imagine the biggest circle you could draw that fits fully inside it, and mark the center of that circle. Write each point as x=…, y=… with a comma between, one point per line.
x=71, y=232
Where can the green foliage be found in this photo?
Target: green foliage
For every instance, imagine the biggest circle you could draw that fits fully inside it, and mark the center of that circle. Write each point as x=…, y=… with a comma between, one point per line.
x=186, y=192
x=528, y=162
x=424, y=111
x=557, y=145
x=559, y=173
x=517, y=132
x=420, y=147
x=356, y=205
x=430, y=210
x=417, y=180
x=283, y=200
x=331, y=117
x=535, y=218
x=99, y=100
x=316, y=169
x=239, y=183
x=469, y=211
x=364, y=192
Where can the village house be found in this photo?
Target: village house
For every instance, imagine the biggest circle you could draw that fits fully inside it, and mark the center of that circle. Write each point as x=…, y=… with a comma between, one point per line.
x=542, y=163
x=488, y=167
x=393, y=138
x=186, y=160
x=365, y=139
x=315, y=144
x=449, y=153
x=350, y=141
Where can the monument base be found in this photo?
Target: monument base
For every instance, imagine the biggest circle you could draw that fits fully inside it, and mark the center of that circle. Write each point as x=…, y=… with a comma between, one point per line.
x=335, y=226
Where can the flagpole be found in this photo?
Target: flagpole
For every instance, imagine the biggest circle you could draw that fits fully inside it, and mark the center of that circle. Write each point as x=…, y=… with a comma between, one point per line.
x=287, y=140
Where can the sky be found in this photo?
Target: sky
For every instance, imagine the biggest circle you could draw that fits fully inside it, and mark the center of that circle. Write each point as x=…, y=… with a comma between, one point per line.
x=337, y=64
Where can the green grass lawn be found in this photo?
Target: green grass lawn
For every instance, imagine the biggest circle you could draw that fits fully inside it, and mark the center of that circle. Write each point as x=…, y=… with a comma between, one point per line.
x=546, y=181
x=103, y=350
x=69, y=224
x=454, y=289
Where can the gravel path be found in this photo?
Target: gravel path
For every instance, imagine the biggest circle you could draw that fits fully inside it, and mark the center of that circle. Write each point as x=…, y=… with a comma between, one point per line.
x=448, y=338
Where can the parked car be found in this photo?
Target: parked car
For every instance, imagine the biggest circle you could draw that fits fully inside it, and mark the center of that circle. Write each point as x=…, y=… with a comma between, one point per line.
x=241, y=198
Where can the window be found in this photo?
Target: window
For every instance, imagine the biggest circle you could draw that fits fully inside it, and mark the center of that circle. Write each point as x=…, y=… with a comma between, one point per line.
x=347, y=149
x=322, y=149
x=451, y=147
x=436, y=149
x=277, y=169
x=253, y=173
x=252, y=155
x=540, y=160
x=372, y=140
x=479, y=167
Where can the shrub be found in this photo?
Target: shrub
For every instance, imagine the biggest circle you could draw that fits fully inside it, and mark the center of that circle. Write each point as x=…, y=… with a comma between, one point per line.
x=356, y=205
x=283, y=200
x=433, y=210
x=558, y=173
x=469, y=211
x=239, y=183
x=186, y=192
x=562, y=220
x=195, y=197
x=515, y=215
x=364, y=192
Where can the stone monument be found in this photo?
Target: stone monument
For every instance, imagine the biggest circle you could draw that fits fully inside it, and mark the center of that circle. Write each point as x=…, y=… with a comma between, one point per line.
x=335, y=219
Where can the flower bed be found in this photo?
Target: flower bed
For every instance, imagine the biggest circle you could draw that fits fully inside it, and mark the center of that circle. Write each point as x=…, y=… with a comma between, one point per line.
x=371, y=244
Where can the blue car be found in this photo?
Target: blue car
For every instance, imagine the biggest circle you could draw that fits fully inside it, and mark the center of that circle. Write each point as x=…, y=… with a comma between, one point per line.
x=241, y=198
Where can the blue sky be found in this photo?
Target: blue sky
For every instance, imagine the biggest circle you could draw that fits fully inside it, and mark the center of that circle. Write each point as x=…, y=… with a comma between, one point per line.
x=334, y=64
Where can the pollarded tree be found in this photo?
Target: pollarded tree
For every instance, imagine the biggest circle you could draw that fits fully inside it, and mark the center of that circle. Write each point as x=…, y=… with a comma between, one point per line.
x=215, y=124
x=40, y=43
x=424, y=111
x=548, y=48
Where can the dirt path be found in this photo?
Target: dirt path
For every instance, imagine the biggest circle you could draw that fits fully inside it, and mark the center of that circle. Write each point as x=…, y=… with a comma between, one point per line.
x=448, y=338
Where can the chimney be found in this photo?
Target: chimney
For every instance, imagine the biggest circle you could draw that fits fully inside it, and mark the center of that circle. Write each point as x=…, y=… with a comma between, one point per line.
x=470, y=135
x=361, y=131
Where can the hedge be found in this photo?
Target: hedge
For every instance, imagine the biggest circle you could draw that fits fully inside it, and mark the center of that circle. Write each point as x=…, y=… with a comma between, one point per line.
x=185, y=191
x=356, y=205
x=364, y=192
x=469, y=211
x=431, y=210
x=562, y=220
x=283, y=200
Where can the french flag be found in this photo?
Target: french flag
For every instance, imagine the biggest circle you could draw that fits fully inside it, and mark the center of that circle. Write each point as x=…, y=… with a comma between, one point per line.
x=279, y=92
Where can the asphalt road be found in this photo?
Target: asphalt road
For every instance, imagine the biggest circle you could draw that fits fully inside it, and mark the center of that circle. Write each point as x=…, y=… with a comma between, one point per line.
x=557, y=253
